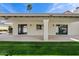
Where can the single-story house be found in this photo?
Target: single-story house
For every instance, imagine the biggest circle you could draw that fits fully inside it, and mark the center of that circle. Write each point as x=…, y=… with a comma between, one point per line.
x=42, y=25
x=39, y=26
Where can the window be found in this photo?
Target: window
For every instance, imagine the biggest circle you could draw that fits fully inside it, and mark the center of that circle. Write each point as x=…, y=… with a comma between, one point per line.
x=39, y=26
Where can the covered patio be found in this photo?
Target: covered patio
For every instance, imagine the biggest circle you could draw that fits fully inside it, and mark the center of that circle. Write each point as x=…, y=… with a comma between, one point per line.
x=40, y=27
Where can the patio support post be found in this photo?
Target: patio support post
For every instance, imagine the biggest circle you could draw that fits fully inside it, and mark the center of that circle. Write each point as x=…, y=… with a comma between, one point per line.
x=45, y=35
x=15, y=29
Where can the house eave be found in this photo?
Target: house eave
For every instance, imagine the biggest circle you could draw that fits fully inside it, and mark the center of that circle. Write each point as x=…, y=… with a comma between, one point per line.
x=38, y=15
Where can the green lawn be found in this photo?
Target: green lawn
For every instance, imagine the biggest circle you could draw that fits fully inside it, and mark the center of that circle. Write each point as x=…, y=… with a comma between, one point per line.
x=39, y=48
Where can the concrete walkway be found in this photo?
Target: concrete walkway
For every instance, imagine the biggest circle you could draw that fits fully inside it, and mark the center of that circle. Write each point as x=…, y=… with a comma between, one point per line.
x=37, y=38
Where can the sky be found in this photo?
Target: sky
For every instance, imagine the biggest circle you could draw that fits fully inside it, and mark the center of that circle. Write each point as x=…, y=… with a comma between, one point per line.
x=37, y=7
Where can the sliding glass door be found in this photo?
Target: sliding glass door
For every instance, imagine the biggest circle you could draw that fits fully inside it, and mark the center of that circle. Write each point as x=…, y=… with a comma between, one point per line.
x=62, y=29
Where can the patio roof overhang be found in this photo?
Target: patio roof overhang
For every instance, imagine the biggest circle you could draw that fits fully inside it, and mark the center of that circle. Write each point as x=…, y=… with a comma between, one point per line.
x=38, y=15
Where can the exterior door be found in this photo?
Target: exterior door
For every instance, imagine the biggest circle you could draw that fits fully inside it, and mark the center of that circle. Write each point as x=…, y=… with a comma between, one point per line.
x=22, y=28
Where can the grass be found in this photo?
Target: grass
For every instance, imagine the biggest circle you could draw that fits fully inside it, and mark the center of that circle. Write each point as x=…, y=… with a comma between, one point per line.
x=39, y=48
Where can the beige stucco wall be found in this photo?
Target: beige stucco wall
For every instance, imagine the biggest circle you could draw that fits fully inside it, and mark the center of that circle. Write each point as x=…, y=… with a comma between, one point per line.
x=31, y=25
x=73, y=25
x=73, y=28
